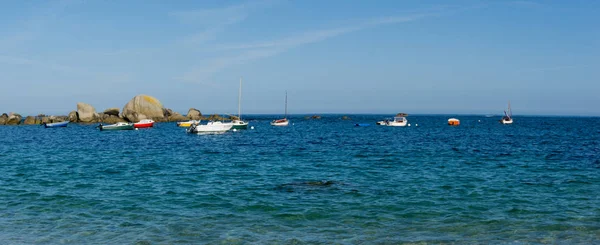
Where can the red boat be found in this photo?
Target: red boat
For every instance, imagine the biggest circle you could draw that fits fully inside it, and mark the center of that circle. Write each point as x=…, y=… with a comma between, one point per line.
x=146, y=123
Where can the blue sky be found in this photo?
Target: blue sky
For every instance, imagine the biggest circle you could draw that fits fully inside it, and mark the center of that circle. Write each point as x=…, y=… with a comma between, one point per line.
x=450, y=57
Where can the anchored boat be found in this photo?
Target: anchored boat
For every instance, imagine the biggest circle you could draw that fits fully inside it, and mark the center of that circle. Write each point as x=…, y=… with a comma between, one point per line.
x=116, y=126
x=187, y=124
x=56, y=124
x=146, y=123
x=507, y=118
x=284, y=121
x=238, y=123
x=398, y=121
x=210, y=127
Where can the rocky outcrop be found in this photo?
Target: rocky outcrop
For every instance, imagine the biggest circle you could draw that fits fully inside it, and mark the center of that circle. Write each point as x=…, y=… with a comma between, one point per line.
x=86, y=113
x=144, y=107
x=194, y=114
x=73, y=116
x=3, y=119
x=110, y=119
x=177, y=117
x=13, y=119
x=316, y=117
x=30, y=120
x=112, y=112
x=216, y=117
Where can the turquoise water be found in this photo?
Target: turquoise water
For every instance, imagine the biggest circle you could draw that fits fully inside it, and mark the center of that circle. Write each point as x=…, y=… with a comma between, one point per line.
x=315, y=182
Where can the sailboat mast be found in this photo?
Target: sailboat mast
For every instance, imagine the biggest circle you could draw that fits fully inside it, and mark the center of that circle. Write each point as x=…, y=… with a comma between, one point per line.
x=240, y=101
x=285, y=104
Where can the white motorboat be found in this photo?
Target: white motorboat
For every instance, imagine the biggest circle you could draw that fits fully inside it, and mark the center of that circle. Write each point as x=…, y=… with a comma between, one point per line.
x=507, y=118
x=398, y=121
x=210, y=127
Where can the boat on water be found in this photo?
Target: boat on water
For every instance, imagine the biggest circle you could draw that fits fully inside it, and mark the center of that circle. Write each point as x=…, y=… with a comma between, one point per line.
x=507, y=118
x=239, y=123
x=398, y=121
x=116, y=126
x=146, y=123
x=453, y=122
x=284, y=121
x=187, y=124
x=56, y=124
x=210, y=127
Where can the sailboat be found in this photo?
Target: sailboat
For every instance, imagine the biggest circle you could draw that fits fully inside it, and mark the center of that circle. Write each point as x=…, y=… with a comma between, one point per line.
x=507, y=118
x=238, y=123
x=284, y=121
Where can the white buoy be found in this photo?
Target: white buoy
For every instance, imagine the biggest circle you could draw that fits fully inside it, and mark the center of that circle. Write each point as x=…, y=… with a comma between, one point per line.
x=234, y=130
x=479, y=120
x=409, y=124
x=252, y=127
x=137, y=129
x=416, y=125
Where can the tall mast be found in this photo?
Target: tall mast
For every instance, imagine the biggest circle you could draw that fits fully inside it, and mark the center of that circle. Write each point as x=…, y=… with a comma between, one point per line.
x=240, y=101
x=285, y=104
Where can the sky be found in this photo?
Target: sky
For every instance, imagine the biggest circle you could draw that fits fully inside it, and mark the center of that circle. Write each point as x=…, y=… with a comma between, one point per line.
x=335, y=56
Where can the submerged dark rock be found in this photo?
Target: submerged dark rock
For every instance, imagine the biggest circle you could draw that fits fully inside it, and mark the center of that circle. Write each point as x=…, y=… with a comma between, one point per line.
x=307, y=185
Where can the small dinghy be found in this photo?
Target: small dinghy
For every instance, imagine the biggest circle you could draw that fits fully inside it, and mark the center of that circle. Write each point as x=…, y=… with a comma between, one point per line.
x=116, y=126
x=56, y=124
x=146, y=123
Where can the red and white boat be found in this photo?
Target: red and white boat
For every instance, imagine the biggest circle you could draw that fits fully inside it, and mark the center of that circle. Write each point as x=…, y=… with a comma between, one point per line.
x=146, y=123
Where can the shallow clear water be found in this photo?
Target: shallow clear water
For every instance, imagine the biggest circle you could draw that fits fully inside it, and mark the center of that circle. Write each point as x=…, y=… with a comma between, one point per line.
x=316, y=181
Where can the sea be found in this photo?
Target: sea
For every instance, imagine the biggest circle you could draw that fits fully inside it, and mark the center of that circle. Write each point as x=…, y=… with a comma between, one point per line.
x=316, y=181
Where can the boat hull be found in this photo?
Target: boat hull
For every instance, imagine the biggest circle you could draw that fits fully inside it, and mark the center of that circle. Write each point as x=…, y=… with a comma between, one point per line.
x=143, y=125
x=506, y=121
x=239, y=124
x=281, y=122
x=56, y=125
x=116, y=127
x=211, y=127
x=186, y=124
x=397, y=124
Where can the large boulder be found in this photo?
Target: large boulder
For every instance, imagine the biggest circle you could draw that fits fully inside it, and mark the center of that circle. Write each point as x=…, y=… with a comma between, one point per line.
x=3, y=118
x=112, y=112
x=194, y=114
x=86, y=113
x=72, y=116
x=110, y=119
x=216, y=117
x=14, y=119
x=30, y=120
x=144, y=107
x=177, y=117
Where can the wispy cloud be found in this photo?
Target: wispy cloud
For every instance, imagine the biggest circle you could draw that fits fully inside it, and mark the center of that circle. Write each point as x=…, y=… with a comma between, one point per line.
x=263, y=49
x=213, y=21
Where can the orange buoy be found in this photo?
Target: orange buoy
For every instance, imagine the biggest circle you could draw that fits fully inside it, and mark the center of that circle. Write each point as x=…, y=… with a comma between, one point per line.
x=453, y=122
